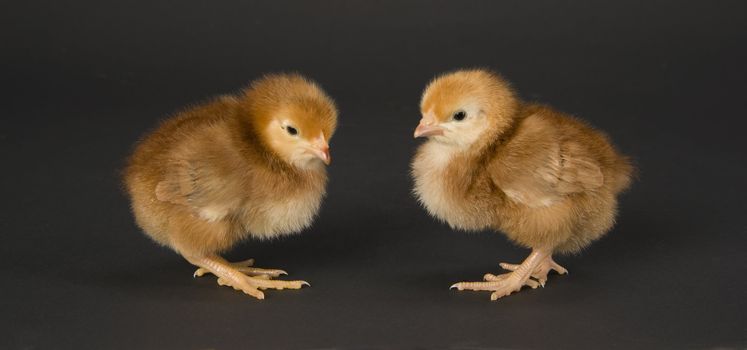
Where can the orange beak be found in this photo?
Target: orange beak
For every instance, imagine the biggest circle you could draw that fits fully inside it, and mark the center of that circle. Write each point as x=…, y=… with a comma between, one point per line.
x=428, y=127
x=320, y=149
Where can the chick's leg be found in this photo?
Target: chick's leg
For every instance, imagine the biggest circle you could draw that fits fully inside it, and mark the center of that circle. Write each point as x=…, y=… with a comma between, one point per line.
x=233, y=275
x=537, y=264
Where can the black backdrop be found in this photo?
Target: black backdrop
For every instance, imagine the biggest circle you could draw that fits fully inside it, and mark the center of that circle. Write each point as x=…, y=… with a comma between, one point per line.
x=82, y=80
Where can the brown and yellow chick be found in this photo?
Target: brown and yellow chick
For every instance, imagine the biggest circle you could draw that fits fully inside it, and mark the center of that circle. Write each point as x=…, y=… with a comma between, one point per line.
x=250, y=165
x=548, y=181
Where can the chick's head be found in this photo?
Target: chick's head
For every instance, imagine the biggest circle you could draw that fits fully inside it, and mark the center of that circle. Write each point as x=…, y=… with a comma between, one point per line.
x=459, y=108
x=294, y=118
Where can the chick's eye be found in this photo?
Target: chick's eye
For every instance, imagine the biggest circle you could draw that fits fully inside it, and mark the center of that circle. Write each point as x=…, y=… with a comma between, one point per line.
x=459, y=116
x=291, y=130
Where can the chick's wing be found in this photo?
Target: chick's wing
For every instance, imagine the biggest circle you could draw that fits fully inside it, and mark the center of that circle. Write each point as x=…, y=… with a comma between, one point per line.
x=546, y=177
x=212, y=191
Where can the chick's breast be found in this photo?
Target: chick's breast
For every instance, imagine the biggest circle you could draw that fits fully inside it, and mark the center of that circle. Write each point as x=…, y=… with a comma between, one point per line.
x=454, y=188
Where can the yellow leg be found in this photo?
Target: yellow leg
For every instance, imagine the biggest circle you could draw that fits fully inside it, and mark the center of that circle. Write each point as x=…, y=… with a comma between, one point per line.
x=241, y=276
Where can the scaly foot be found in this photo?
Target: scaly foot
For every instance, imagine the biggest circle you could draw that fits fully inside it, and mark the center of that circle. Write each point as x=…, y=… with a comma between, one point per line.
x=242, y=276
x=540, y=273
x=536, y=265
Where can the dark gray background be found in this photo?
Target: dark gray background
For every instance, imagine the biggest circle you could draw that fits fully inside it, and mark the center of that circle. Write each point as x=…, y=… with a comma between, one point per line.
x=82, y=80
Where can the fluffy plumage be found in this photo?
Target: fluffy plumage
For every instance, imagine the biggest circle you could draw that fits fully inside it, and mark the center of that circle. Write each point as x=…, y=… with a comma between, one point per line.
x=547, y=180
x=239, y=166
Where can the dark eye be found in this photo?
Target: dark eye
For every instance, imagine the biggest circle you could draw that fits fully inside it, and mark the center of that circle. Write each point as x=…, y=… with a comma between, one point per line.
x=291, y=130
x=459, y=116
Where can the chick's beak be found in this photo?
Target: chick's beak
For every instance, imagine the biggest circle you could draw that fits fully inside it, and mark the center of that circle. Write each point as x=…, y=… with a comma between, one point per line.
x=320, y=149
x=428, y=127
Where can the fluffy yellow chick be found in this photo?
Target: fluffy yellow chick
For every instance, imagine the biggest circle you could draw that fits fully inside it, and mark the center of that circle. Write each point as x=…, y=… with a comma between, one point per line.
x=240, y=166
x=547, y=180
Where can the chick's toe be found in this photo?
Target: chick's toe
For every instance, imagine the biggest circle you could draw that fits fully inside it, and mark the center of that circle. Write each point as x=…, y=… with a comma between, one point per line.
x=246, y=268
x=500, y=285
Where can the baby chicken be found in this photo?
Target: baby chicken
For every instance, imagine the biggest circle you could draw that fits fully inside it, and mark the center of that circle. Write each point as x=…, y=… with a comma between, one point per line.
x=545, y=179
x=247, y=165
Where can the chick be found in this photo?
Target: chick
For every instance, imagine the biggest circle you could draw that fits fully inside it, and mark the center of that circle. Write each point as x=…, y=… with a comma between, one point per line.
x=548, y=181
x=240, y=166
